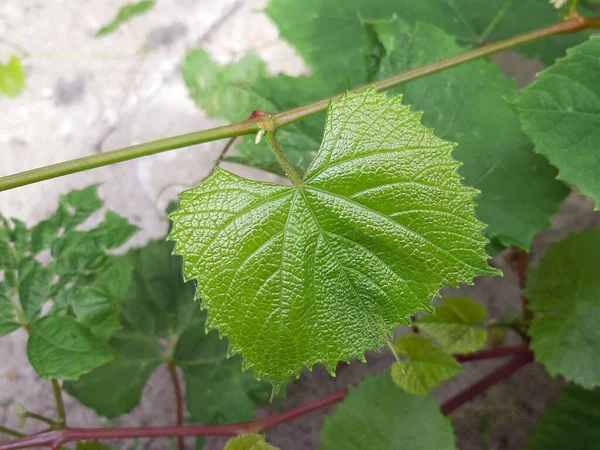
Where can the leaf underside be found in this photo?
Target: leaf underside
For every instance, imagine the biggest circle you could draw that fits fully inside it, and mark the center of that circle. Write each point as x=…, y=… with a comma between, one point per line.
x=426, y=366
x=456, y=324
x=322, y=272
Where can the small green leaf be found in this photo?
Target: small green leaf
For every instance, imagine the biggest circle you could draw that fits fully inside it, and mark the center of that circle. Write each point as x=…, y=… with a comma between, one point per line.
x=115, y=388
x=322, y=272
x=113, y=231
x=573, y=422
x=8, y=260
x=125, y=13
x=78, y=205
x=9, y=318
x=561, y=113
x=45, y=233
x=34, y=285
x=97, y=304
x=61, y=347
x=377, y=415
x=426, y=366
x=248, y=441
x=564, y=292
x=12, y=77
x=456, y=324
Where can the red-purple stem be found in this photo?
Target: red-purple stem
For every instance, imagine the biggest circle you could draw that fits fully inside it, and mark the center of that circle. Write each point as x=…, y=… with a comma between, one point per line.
x=520, y=265
x=480, y=386
x=178, y=400
x=56, y=438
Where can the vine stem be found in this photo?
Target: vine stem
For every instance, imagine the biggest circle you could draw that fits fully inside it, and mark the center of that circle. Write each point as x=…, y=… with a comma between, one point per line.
x=521, y=356
x=573, y=23
x=486, y=382
x=11, y=432
x=520, y=264
x=178, y=400
x=60, y=405
x=282, y=159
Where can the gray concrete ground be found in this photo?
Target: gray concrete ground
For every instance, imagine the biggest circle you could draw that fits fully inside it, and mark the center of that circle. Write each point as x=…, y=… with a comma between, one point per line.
x=87, y=95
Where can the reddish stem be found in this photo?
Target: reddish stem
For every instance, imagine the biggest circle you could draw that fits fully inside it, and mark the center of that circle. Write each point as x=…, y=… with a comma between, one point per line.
x=298, y=411
x=494, y=352
x=178, y=400
x=520, y=265
x=480, y=386
x=56, y=438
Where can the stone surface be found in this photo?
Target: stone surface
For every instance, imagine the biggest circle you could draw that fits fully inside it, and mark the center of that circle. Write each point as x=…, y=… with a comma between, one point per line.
x=87, y=95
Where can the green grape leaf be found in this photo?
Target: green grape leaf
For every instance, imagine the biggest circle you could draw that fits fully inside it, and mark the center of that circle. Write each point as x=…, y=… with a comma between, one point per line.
x=323, y=271
x=456, y=324
x=379, y=416
x=233, y=91
x=426, y=366
x=61, y=347
x=125, y=13
x=560, y=112
x=519, y=192
x=216, y=389
x=115, y=388
x=80, y=283
x=12, y=77
x=34, y=285
x=248, y=441
x=161, y=322
x=307, y=25
x=564, y=292
x=9, y=319
x=573, y=422
x=97, y=304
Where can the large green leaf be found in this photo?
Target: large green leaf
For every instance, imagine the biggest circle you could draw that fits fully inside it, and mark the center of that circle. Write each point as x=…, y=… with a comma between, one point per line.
x=426, y=366
x=162, y=323
x=519, y=192
x=561, y=113
x=456, y=324
x=125, y=13
x=318, y=273
x=573, y=422
x=61, y=347
x=12, y=77
x=377, y=415
x=233, y=91
x=329, y=35
x=564, y=292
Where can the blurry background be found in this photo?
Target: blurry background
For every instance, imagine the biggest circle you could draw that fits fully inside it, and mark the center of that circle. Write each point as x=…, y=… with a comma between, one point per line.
x=85, y=95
